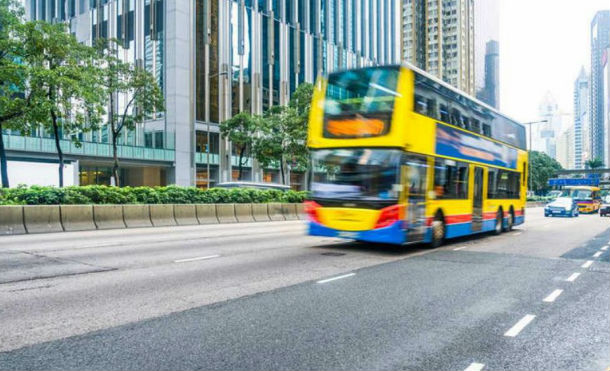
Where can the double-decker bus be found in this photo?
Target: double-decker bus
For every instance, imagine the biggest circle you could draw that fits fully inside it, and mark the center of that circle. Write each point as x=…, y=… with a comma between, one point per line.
x=399, y=156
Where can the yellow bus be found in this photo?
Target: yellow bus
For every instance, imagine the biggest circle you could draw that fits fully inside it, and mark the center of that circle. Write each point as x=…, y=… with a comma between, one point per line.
x=399, y=156
x=587, y=198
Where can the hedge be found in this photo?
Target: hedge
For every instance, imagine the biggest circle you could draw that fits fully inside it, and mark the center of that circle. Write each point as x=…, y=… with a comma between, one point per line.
x=99, y=194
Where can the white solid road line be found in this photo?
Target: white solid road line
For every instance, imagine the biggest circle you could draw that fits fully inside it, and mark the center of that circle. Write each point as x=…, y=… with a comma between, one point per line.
x=336, y=278
x=552, y=296
x=460, y=248
x=516, y=329
x=587, y=264
x=573, y=277
x=597, y=254
x=195, y=259
x=605, y=248
x=475, y=367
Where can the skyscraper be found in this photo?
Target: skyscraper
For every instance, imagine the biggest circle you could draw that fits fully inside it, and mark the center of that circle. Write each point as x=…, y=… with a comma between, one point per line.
x=213, y=59
x=545, y=134
x=486, y=51
x=438, y=37
x=565, y=148
x=490, y=92
x=600, y=40
x=582, y=140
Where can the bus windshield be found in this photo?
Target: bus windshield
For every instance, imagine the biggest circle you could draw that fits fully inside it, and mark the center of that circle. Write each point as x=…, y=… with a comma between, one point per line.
x=358, y=173
x=578, y=194
x=363, y=91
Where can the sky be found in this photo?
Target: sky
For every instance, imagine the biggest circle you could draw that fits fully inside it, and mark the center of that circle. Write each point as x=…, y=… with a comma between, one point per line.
x=543, y=44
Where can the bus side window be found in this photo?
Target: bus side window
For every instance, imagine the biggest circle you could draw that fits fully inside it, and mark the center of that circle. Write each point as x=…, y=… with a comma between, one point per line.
x=475, y=125
x=432, y=109
x=444, y=113
x=420, y=105
x=486, y=130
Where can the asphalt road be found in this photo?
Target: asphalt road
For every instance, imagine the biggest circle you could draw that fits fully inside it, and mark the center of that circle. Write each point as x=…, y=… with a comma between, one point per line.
x=266, y=297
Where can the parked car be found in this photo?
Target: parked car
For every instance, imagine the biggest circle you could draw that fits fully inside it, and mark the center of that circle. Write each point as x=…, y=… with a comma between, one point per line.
x=279, y=187
x=604, y=210
x=562, y=206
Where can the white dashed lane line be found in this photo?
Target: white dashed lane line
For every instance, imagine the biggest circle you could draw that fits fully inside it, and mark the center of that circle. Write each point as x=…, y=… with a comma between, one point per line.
x=604, y=248
x=516, y=329
x=475, y=367
x=196, y=259
x=597, y=254
x=587, y=264
x=336, y=278
x=460, y=248
x=573, y=277
x=552, y=296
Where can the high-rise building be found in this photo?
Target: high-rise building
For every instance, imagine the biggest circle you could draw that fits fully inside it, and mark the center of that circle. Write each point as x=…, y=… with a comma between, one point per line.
x=486, y=51
x=565, y=148
x=600, y=40
x=606, y=105
x=545, y=134
x=490, y=93
x=582, y=142
x=438, y=37
x=213, y=59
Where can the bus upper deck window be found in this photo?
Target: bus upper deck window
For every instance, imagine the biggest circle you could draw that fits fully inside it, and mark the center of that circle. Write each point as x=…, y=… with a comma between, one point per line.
x=444, y=113
x=421, y=106
x=486, y=130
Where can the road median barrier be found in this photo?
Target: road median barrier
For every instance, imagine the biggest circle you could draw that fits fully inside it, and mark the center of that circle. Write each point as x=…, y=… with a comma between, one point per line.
x=275, y=211
x=162, y=215
x=301, y=211
x=108, y=216
x=206, y=213
x=77, y=217
x=185, y=214
x=226, y=213
x=11, y=220
x=243, y=213
x=136, y=216
x=290, y=211
x=260, y=213
x=42, y=218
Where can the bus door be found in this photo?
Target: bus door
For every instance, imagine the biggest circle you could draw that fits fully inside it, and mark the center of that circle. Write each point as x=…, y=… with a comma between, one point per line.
x=414, y=183
x=477, y=200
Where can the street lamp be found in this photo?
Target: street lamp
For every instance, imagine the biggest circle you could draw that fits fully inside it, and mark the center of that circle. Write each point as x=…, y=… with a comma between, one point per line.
x=529, y=170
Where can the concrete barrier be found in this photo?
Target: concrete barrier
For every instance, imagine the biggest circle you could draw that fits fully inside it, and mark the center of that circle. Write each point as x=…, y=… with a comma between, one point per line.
x=108, y=216
x=226, y=213
x=77, y=217
x=206, y=213
x=243, y=213
x=42, y=218
x=301, y=211
x=260, y=213
x=290, y=211
x=185, y=214
x=11, y=220
x=275, y=211
x=136, y=216
x=162, y=215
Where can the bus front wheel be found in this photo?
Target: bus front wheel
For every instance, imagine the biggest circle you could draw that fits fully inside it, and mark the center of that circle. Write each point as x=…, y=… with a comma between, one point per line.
x=438, y=231
x=498, y=228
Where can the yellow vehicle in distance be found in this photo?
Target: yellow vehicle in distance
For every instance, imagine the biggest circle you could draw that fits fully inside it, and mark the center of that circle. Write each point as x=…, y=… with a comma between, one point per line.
x=399, y=156
x=588, y=198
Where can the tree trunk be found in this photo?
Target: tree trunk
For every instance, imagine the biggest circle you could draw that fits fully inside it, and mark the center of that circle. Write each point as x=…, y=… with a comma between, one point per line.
x=115, y=137
x=241, y=156
x=3, y=164
x=283, y=176
x=60, y=153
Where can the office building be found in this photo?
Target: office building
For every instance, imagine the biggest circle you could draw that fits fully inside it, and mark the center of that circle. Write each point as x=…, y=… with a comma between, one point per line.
x=545, y=134
x=490, y=92
x=212, y=60
x=606, y=105
x=600, y=40
x=486, y=51
x=438, y=37
x=582, y=140
x=565, y=148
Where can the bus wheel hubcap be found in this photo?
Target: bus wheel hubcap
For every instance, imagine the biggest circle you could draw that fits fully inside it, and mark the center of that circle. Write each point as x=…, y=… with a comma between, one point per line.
x=437, y=227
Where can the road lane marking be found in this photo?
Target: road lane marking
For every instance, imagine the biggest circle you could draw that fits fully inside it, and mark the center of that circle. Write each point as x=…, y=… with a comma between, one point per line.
x=573, y=277
x=460, y=248
x=552, y=296
x=587, y=264
x=605, y=248
x=195, y=259
x=475, y=367
x=336, y=278
x=597, y=254
x=516, y=329
x=516, y=234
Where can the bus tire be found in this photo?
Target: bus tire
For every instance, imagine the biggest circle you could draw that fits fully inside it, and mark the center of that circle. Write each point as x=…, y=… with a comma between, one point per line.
x=511, y=221
x=438, y=230
x=499, y=225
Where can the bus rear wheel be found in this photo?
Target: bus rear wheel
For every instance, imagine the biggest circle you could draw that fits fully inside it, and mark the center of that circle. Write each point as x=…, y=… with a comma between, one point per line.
x=438, y=231
x=498, y=228
x=510, y=222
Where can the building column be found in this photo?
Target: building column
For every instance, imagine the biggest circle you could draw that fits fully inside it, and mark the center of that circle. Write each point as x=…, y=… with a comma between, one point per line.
x=224, y=88
x=180, y=44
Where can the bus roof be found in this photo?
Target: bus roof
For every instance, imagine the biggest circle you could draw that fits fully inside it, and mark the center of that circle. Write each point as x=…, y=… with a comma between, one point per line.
x=589, y=188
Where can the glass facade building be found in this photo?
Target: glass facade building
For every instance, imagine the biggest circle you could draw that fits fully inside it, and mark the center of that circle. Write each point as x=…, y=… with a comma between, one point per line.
x=215, y=58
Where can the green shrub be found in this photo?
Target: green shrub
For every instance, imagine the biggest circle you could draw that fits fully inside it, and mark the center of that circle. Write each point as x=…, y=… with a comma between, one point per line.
x=100, y=194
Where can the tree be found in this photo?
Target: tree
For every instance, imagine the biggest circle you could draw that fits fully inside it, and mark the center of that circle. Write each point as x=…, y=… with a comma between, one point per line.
x=594, y=163
x=137, y=88
x=64, y=82
x=13, y=96
x=301, y=101
x=241, y=130
x=542, y=168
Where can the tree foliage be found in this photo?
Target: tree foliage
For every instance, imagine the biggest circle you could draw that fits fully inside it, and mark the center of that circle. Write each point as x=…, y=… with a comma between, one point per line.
x=241, y=130
x=594, y=163
x=543, y=167
x=135, y=87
